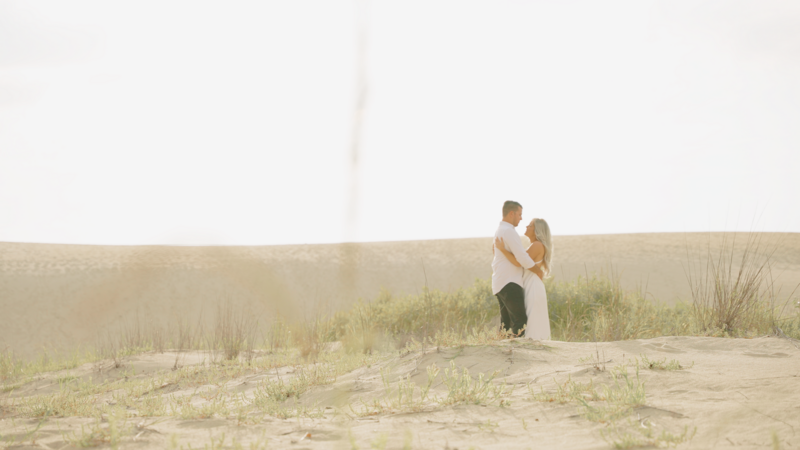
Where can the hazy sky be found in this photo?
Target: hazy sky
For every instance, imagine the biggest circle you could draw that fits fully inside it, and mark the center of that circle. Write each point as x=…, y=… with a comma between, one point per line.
x=166, y=122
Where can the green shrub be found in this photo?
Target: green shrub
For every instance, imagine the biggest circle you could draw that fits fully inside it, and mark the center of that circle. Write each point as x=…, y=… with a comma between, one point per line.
x=598, y=309
x=418, y=315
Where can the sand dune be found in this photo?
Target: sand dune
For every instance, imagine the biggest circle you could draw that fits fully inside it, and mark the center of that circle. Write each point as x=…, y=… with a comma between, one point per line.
x=717, y=393
x=62, y=296
x=727, y=393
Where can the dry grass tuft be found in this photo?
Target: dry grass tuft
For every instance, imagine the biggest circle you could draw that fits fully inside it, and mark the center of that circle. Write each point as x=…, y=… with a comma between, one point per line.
x=733, y=289
x=234, y=333
x=310, y=337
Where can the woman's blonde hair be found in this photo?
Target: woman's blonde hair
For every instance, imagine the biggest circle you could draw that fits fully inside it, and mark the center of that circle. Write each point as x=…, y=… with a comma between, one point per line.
x=542, y=231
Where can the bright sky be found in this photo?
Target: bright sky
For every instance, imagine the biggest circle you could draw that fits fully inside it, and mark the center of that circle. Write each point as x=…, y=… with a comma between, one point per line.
x=191, y=122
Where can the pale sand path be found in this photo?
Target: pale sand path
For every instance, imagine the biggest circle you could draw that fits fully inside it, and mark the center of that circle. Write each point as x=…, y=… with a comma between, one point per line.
x=735, y=392
x=61, y=296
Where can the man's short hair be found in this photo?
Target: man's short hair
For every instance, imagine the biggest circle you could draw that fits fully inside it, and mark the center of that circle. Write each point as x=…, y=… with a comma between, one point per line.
x=509, y=206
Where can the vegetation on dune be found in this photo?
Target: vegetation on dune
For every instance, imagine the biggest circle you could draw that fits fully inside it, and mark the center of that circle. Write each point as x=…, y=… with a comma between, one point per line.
x=583, y=310
x=13, y=368
x=733, y=295
x=420, y=314
x=730, y=300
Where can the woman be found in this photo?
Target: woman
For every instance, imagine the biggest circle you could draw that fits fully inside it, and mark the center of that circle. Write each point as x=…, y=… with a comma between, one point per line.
x=541, y=251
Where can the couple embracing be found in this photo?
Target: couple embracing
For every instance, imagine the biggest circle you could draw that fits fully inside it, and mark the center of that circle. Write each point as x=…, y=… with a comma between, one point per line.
x=517, y=274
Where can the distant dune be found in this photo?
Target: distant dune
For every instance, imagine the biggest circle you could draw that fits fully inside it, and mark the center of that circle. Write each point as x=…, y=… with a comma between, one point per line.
x=63, y=296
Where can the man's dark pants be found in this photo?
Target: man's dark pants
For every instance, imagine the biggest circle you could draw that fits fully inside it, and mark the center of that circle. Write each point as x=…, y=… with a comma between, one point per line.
x=512, y=307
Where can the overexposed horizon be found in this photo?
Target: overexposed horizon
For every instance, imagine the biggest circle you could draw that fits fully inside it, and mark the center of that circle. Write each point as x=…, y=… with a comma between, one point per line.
x=201, y=123
x=755, y=236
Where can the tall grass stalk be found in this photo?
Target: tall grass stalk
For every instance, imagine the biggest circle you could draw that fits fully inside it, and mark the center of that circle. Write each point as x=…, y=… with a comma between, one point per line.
x=733, y=289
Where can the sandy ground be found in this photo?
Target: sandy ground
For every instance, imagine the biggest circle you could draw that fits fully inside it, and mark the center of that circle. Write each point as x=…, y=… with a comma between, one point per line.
x=730, y=393
x=63, y=296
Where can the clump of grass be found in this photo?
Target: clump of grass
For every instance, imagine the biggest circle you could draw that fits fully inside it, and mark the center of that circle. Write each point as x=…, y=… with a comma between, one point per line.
x=280, y=390
x=135, y=336
x=733, y=289
x=235, y=332
x=311, y=336
x=184, y=408
x=644, y=436
x=627, y=393
x=608, y=403
x=152, y=405
x=14, y=369
x=660, y=364
x=407, y=397
x=567, y=392
x=463, y=389
x=97, y=433
x=64, y=403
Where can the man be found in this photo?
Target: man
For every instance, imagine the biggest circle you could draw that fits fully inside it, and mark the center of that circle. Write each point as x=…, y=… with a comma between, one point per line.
x=506, y=277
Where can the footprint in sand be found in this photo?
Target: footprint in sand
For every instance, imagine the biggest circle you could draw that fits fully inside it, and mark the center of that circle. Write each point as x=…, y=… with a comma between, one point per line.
x=766, y=355
x=663, y=348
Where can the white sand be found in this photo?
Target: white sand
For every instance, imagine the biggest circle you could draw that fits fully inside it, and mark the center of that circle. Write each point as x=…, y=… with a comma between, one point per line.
x=736, y=393
x=62, y=296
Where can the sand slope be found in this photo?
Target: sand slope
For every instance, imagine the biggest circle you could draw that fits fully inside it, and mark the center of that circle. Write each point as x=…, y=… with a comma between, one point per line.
x=735, y=393
x=60, y=296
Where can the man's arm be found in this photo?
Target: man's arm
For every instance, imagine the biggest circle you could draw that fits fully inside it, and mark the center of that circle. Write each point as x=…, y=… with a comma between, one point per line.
x=514, y=245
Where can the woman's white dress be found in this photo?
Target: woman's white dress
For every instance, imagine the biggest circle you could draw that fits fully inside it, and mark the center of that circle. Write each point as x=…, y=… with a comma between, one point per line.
x=536, y=306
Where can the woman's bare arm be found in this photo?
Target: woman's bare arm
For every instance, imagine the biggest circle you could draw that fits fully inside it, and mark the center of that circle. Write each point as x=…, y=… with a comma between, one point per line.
x=535, y=252
x=500, y=245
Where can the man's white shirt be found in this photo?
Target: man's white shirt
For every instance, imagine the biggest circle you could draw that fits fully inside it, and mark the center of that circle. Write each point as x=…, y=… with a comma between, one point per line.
x=503, y=272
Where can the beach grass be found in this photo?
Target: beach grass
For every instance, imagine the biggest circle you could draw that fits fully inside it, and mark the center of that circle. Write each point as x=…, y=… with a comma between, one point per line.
x=583, y=310
x=589, y=309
